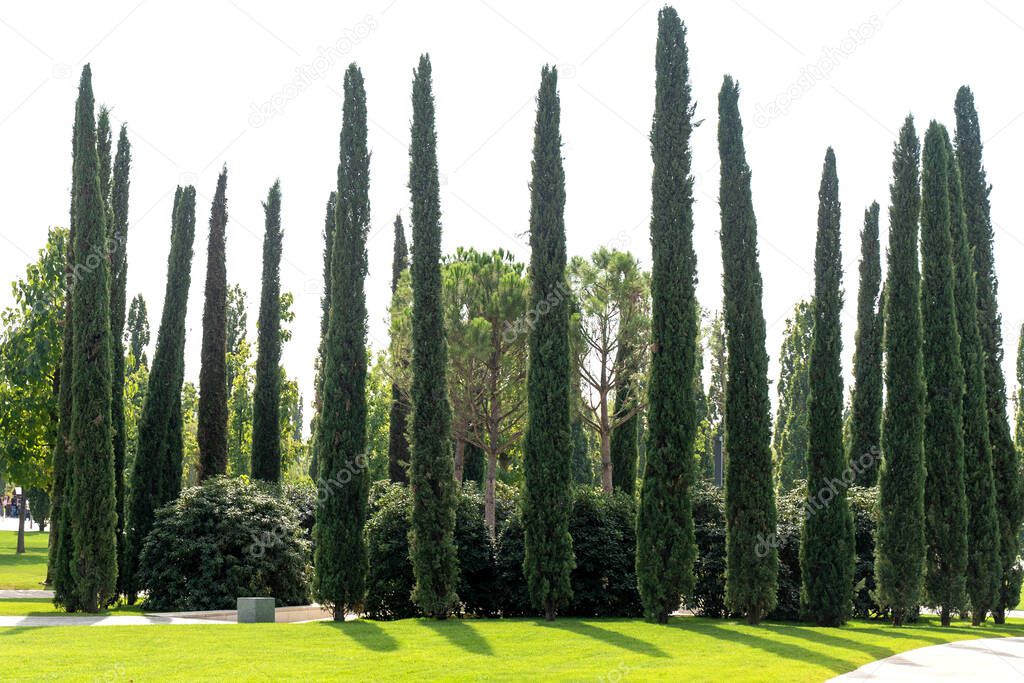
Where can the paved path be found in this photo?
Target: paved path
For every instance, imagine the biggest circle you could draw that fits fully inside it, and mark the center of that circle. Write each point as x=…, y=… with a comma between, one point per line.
x=985, y=659
x=18, y=594
x=130, y=620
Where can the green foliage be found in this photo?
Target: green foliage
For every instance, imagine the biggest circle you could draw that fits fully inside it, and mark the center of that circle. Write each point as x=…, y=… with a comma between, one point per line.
x=398, y=441
x=749, y=491
x=213, y=383
x=945, y=504
x=665, y=549
x=236, y=322
x=225, y=539
x=708, y=597
x=1005, y=458
x=325, y=318
x=431, y=472
x=156, y=470
x=137, y=331
x=266, y=442
x=900, y=544
x=240, y=410
x=340, y=580
x=790, y=439
x=864, y=508
x=548, y=561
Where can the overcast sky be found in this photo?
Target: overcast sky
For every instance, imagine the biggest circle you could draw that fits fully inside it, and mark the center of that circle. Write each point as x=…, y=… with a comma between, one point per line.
x=201, y=84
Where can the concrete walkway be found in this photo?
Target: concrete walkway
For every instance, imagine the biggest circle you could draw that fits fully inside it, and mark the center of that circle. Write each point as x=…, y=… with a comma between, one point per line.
x=985, y=659
x=130, y=620
x=19, y=594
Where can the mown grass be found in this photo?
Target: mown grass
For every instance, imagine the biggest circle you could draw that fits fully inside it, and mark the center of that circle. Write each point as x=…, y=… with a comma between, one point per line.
x=688, y=648
x=25, y=571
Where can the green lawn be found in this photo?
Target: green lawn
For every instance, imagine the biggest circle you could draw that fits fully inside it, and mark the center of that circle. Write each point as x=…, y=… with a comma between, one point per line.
x=569, y=649
x=43, y=607
x=27, y=570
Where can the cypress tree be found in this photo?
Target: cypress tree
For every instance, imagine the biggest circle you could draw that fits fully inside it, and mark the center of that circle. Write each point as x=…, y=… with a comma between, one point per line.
x=93, y=518
x=118, y=300
x=790, y=437
x=827, y=544
x=138, y=331
x=266, y=436
x=983, y=566
x=432, y=467
x=103, y=150
x=325, y=317
x=866, y=410
x=751, y=577
x=945, y=504
x=212, y=420
x=900, y=541
x=340, y=580
x=1004, y=456
x=156, y=473
x=398, y=443
x=624, y=437
x=547, y=446
x=665, y=545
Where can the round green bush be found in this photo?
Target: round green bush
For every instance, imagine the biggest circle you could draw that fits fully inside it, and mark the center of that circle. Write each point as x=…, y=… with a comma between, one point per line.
x=225, y=539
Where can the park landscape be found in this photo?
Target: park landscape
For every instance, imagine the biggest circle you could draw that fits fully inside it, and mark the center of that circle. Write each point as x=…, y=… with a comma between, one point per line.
x=532, y=479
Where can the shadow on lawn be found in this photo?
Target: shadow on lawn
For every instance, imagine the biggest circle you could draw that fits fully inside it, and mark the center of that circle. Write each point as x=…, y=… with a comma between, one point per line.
x=366, y=633
x=606, y=636
x=460, y=634
x=775, y=647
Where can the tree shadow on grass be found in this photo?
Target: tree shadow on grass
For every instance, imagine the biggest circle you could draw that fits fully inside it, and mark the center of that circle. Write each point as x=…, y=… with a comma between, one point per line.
x=831, y=637
x=461, y=635
x=916, y=634
x=606, y=636
x=366, y=633
x=775, y=647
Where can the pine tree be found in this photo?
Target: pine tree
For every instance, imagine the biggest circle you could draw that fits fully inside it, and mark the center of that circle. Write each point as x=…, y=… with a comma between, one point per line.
x=547, y=445
x=751, y=577
x=212, y=421
x=398, y=442
x=93, y=517
x=866, y=410
x=624, y=437
x=340, y=579
x=325, y=317
x=900, y=541
x=432, y=468
x=1004, y=456
x=983, y=565
x=138, y=331
x=118, y=296
x=156, y=472
x=665, y=545
x=827, y=544
x=266, y=441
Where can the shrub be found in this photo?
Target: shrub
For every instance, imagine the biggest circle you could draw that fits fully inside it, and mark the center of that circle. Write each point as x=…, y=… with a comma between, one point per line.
x=225, y=539
x=787, y=542
x=511, y=596
x=708, y=599
x=864, y=506
x=301, y=497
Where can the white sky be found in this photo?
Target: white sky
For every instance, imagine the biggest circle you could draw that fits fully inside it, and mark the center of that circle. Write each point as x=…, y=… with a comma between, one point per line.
x=186, y=76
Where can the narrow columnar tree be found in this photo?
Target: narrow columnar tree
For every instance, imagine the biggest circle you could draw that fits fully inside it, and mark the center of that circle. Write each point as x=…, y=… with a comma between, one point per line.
x=212, y=421
x=547, y=445
x=93, y=518
x=866, y=411
x=138, y=331
x=340, y=579
x=104, y=147
x=751, y=575
x=900, y=543
x=432, y=467
x=398, y=442
x=266, y=441
x=624, y=438
x=1004, y=456
x=827, y=544
x=790, y=440
x=665, y=546
x=156, y=472
x=325, y=318
x=118, y=298
x=983, y=566
x=945, y=504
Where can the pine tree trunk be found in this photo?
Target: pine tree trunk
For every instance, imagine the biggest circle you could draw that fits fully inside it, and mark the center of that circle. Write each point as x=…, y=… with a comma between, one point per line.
x=460, y=459
x=492, y=467
x=606, y=462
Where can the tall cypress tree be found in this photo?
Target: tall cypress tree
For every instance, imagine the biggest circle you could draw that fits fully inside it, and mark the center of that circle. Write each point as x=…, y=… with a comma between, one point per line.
x=945, y=504
x=340, y=579
x=90, y=438
x=104, y=145
x=398, y=442
x=138, y=331
x=900, y=541
x=983, y=565
x=212, y=421
x=665, y=545
x=266, y=435
x=624, y=438
x=325, y=318
x=118, y=300
x=790, y=439
x=547, y=446
x=751, y=577
x=432, y=467
x=156, y=473
x=866, y=411
x=827, y=545
x=1004, y=455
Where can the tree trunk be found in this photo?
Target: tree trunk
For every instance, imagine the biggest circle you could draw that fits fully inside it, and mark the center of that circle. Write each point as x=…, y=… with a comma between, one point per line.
x=21, y=522
x=999, y=616
x=492, y=466
x=977, y=618
x=460, y=458
x=944, y=616
x=549, y=611
x=754, y=616
x=606, y=462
